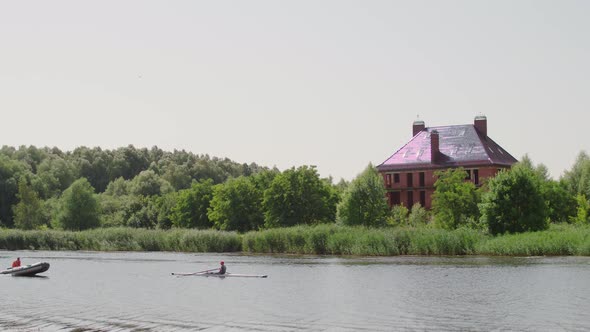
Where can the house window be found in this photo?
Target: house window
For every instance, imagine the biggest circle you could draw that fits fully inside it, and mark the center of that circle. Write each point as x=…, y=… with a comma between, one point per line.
x=395, y=198
x=468, y=176
x=421, y=179
x=409, y=179
x=423, y=198
x=476, y=176
x=396, y=178
x=410, y=199
x=388, y=180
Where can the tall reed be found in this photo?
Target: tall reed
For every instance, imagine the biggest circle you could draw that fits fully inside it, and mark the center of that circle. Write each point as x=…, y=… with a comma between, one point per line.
x=327, y=239
x=558, y=240
x=122, y=239
x=343, y=240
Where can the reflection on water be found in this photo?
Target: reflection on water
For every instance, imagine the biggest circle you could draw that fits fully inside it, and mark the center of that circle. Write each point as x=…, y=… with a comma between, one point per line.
x=87, y=291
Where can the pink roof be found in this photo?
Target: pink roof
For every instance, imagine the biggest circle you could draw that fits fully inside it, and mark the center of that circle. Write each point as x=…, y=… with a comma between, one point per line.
x=460, y=145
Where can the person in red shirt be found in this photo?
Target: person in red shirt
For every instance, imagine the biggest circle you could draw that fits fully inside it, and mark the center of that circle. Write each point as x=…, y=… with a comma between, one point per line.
x=16, y=263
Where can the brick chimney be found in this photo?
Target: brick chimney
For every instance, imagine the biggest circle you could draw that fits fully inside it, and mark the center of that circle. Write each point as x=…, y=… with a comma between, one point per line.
x=434, y=146
x=417, y=127
x=481, y=124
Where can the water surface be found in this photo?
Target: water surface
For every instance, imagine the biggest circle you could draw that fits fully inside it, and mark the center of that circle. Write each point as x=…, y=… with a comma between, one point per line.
x=127, y=291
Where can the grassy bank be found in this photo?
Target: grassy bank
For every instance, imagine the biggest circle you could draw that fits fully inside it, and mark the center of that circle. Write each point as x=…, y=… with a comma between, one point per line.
x=558, y=240
x=122, y=239
x=336, y=240
x=322, y=239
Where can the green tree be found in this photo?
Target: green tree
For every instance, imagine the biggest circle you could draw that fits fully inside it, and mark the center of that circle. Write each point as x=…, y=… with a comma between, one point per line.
x=514, y=202
x=49, y=209
x=128, y=162
x=10, y=172
x=133, y=211
x=113, y=210
x=148, y=183
x=236, y=205
x=143, y=213
x=54, y=175
x=583, y=208
x=298, y=196
x=31, y=156
x=178, y=176
x=78, y=208
x=28, y=213
x=263, y=179
x=341, y=187
x=454, y=202
x=364, y=202
x=578, y=178
x=94, y=164
x=191, y=206
x=561, y=202
x=118, y=187
x=164, y=205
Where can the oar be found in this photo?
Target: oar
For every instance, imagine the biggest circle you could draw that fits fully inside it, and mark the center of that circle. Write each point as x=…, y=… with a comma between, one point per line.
x=195, y=272
x=217, y=269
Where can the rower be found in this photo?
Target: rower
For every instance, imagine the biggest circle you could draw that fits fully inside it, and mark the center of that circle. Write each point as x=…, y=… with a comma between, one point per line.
x=222, y=268
x=16, y=263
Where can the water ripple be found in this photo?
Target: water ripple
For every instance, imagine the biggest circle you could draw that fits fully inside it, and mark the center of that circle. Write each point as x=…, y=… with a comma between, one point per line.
x=135, y=292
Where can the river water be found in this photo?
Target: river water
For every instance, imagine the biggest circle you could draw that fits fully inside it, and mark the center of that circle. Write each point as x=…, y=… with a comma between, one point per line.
x=128, y=291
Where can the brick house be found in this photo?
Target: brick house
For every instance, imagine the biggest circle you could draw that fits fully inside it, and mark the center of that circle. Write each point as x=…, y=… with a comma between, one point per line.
x=409, y=173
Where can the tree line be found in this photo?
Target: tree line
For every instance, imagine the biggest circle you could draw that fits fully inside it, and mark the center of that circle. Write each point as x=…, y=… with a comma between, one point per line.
x=42, y=178
x=45, y=188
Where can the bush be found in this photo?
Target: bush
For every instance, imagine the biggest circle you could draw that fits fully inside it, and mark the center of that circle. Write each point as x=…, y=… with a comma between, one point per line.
x=398, y=216
x=514, y=202
x=418, y=216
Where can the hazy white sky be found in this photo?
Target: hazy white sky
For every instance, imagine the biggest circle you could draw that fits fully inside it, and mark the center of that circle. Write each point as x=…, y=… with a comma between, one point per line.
x=336, y=84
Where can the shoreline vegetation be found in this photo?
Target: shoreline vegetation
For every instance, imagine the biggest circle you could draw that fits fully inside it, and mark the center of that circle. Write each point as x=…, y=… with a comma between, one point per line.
x=326, y=239
x=131, y=199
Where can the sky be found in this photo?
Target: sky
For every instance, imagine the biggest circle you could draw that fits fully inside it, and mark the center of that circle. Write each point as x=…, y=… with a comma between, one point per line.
x=332, y=83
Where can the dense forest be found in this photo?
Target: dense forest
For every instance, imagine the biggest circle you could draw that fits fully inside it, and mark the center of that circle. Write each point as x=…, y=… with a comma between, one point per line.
x=46, y=188
x=151, y=188
x=126, y=180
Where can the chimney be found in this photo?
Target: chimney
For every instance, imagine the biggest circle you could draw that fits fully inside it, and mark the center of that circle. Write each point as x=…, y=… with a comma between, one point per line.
x=481, y=124
x=417, y=127
x=434, y=146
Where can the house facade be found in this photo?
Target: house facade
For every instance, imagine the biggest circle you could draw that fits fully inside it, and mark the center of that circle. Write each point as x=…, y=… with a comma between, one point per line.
x=408, y=174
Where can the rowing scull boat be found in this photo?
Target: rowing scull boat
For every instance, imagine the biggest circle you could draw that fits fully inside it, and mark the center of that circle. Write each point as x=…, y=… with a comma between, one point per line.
x=221, y=275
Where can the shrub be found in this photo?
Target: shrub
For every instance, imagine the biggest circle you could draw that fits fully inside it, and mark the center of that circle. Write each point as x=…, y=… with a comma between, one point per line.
x=418, y=216
x=398, y=216
x=514, y=202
